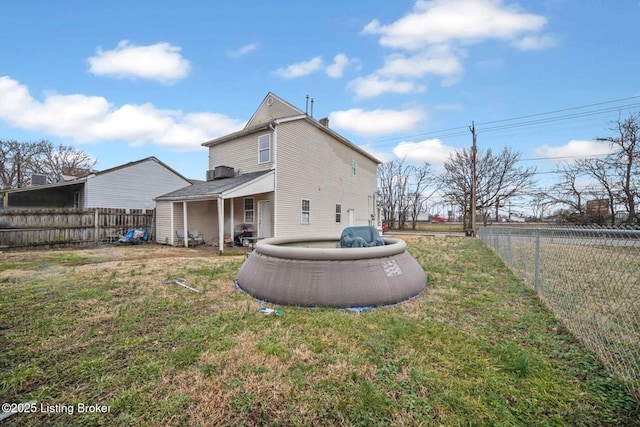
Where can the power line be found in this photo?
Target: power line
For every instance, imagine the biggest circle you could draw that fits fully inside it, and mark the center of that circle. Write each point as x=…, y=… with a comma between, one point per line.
x=559, y=118
x=563, y=157
x=562, y=110
x=463, y=130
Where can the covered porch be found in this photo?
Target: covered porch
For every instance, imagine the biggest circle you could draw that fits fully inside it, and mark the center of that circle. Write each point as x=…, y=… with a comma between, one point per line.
x=216, y=210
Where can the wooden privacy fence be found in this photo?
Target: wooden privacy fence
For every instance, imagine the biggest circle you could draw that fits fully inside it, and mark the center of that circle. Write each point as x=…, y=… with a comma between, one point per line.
x=37, y=227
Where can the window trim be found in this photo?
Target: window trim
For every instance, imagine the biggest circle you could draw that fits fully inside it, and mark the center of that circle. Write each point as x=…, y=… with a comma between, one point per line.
x=253, y=210
x=303, y=212
x=267, y=149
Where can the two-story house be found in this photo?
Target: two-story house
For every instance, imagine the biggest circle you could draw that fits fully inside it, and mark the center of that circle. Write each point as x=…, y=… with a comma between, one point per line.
x=284, y=174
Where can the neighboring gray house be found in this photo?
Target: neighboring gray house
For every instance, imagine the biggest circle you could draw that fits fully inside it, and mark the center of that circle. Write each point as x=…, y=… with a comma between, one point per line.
x=285, y=174
x=133, y=185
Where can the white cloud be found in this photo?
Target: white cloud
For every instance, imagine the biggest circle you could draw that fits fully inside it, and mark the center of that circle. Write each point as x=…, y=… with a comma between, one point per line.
x=160, y=62
x=434, y=36
x=534, y=42
x=574, y=149
x=335, y=70
x=376, y=122
x=436, y=60
x=87, y=119
x=300, y=69
x=430, y=150
x=374, y=85
x=244, y=50
x=446, y=21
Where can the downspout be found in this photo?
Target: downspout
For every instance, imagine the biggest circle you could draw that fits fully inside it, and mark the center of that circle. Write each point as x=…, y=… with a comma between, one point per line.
x=275, y=178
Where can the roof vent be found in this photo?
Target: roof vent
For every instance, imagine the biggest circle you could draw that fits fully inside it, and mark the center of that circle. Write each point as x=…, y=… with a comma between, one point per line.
x=324, y=121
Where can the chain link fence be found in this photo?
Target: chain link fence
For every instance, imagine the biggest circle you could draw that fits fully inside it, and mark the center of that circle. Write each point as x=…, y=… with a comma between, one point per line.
x=590, y=279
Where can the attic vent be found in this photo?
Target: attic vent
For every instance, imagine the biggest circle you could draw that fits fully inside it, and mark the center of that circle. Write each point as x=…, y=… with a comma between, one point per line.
x=220, y=172
x=38, y=179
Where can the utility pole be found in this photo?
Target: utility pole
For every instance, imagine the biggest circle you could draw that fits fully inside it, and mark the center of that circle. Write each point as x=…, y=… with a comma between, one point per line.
x=474, y=180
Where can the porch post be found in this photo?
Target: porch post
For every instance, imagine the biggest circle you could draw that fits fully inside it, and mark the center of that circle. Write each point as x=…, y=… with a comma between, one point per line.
x=220, y=224
x=185, y=226
x=232, y=224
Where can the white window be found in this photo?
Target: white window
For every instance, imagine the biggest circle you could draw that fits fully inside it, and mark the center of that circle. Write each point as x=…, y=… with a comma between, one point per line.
x=264, y=148
x=338, y=213
x=305, y=215
x=249, y=210
x=354, y=167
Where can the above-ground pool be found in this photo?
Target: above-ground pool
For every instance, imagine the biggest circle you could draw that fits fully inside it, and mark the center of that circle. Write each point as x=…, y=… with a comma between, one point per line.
x=315, y=273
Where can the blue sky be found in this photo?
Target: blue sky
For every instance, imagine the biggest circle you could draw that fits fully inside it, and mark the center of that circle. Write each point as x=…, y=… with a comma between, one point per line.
x=123, y=80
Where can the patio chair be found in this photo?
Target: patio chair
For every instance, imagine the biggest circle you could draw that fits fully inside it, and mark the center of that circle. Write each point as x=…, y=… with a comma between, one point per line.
x=195, y=237
x=180, y=237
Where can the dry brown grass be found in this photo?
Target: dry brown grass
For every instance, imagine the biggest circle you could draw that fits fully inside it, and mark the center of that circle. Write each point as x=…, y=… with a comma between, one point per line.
x=108, y=331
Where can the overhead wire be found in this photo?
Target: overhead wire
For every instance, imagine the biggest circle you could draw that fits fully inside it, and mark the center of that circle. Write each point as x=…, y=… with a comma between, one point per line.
x=538, y=119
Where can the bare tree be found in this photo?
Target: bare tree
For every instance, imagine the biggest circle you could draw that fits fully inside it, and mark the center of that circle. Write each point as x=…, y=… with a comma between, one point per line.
x=456, y=182
x=498, y=180
x=424, y=186
x=64, y=160
x=402, y=191
x=568, y=193
x=18, y=160
x=626, y=161
x=387, y=190
x=603, y=172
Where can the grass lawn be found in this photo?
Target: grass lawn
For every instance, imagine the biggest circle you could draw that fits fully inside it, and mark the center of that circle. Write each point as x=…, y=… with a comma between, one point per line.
x=98, y=327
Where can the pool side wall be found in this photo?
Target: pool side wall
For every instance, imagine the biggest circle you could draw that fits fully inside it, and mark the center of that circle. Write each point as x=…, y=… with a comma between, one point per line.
x=341, y=278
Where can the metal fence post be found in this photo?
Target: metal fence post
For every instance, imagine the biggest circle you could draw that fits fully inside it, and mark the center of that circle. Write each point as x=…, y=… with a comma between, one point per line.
x=536, y=271
x=590, y=282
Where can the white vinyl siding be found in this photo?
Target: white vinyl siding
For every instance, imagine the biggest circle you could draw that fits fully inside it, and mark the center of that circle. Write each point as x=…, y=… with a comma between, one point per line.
x=164, y=233
x=131, y=187
x=313, y=165
x=240, y=154
x=267, y=112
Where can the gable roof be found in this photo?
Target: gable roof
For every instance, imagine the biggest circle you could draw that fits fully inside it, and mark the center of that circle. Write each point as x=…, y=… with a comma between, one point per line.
x=136, y=162
x=271, y=108
x=272, y=111
x=83, y=179
x=226, y=187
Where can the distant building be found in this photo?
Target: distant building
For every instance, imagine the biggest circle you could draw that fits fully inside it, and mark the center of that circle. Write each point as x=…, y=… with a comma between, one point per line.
x=133, y=185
